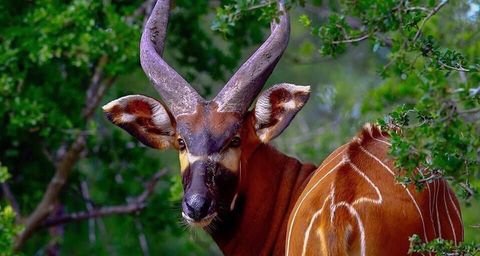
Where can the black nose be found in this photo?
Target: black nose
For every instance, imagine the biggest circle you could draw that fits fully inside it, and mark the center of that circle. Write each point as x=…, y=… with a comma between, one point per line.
x=197, y=206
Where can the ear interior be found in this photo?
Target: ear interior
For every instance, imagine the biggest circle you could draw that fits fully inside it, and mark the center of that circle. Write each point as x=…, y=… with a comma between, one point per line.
x=276, y=107
x=144, y=118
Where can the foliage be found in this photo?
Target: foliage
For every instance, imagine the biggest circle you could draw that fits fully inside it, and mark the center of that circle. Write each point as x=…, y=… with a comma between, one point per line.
x=8, y=228
x=439, y=123
x=442, y=247
x=58, y=60
x=52, y=52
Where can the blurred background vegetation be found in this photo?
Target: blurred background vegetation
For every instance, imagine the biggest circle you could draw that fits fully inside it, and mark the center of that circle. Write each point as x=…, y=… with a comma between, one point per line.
x=61, y=60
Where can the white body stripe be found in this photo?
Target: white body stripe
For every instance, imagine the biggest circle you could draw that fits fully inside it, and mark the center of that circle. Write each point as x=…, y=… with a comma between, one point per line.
x=406, y=189
x=382, y=141
x=289, y=231
x=307, y=232
x=436, y=210
x=352, y=210
x=457, y=211
x=433, y=197
x=430, y=210
x=448, y=213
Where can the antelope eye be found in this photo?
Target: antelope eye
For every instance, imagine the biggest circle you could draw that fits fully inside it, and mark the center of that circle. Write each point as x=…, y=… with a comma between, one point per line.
x=235, y=142
x=181, y=144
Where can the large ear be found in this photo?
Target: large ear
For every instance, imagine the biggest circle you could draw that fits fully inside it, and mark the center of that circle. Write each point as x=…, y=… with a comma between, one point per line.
x=144, y=118
x=276, y=107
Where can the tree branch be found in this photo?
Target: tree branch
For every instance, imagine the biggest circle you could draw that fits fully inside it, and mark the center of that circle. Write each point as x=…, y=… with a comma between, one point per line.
x=352, y=40
x=462, y=69
x=432, y=12
x=144, y=9
x=417, y=8
x=135, y=205
x=47, y=203
x=104, y=211
x=67, y=160
x=90, y=208
x=469, y=111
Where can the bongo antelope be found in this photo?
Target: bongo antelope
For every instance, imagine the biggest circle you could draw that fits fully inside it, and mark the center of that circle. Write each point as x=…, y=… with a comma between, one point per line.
x=253, y=199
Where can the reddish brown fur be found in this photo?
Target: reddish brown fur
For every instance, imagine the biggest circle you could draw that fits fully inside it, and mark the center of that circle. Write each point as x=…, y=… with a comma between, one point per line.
x=387, y=225
x=270, y=183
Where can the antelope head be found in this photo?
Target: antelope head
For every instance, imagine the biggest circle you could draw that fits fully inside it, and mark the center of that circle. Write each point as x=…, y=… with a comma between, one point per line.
x=211, y=136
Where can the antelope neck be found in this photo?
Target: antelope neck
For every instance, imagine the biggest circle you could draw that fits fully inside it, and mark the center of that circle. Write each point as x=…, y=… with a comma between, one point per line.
x=271, y=182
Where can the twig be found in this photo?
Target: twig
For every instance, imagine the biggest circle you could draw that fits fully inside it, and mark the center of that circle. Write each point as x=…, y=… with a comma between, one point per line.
x=56, y=234
x=10, y=197
x=469, y=111
x=135, y=205
x=462, y=69
x=150, y=186
x=352, y=40
x=430, y=178
x=96, y=78
x=417, y=8
x=90, y=208
x=261, y=5
x=432, y=12
x=142, y=238
x=104, y=211
x=142, y=9
x=468, y=189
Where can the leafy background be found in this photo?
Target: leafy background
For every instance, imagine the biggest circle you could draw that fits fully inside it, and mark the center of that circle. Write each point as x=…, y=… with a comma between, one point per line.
x=411, y=65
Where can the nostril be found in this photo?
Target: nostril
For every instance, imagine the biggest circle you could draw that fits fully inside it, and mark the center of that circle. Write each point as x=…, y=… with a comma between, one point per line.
x=189, y=206
x=205, y=206
x=197, y=206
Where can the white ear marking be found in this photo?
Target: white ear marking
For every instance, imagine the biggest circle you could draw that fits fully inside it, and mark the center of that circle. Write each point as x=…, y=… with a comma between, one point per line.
x=263, y=110
x=129, y=109
x=301, y=88
x=288, y=99
x=127, y=118
x=160, y=117
x=109, y=105
x=291, y=104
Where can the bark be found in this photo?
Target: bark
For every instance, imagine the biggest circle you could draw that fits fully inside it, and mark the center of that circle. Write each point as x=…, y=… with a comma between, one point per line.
x=135, y=205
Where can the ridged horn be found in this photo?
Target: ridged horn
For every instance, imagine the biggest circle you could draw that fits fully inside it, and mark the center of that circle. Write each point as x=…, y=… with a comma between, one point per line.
x=247, y=82
x=180, y=97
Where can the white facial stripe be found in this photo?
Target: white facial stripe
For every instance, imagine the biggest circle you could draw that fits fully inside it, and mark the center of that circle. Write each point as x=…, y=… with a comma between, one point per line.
x=215, y=157
x=229, y=159
x=192, y=158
